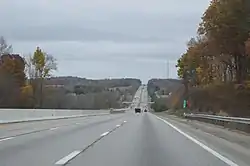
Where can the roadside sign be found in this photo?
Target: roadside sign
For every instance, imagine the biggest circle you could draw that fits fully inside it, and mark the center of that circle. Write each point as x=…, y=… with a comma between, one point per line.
x=184, y=103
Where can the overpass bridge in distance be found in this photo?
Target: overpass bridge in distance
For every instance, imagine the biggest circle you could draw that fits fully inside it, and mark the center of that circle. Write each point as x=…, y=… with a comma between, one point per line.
x=127, y=102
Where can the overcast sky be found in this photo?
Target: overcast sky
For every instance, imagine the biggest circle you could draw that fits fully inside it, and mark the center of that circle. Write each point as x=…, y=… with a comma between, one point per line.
x=104, y=38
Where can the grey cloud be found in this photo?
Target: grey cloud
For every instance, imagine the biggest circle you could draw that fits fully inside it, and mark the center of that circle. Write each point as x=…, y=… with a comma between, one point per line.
x=133, y=6
x=126, y=68
x=104, y=38
x=68, y=33
x=123, y=30
x=99, y=20
x=104, y=50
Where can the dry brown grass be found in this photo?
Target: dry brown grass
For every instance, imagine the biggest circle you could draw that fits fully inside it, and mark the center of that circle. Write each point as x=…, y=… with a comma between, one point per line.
x=221, y=98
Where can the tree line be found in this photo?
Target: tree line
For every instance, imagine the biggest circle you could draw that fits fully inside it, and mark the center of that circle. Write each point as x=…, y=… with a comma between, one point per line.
x=26, y=82
x=220, y=51
x=22, y=79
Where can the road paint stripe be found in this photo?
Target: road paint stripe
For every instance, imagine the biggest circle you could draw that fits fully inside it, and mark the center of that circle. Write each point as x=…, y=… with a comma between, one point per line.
x=54, y=128
x=124, y=121
x=5, y=139
x=72, y=155
x=66, y=159
x=104, y=134
x=213, y=152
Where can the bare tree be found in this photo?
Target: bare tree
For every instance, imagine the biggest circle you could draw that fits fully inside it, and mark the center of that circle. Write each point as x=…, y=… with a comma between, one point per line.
x=29, y=68
x=4, y=47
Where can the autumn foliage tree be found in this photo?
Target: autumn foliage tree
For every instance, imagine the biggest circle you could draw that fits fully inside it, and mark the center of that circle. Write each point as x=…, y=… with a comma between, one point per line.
x=42, y=64
x=247, y=47
x=18, y=90
x=12, y=76
x=219, y=53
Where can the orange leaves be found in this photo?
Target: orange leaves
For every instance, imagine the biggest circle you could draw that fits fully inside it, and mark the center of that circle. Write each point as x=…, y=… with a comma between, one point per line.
x=27, y=90
x=247, y=46
x=26, y=99
x=223, y=40
x=12, y=78
x=227, y=23
x=13, y=65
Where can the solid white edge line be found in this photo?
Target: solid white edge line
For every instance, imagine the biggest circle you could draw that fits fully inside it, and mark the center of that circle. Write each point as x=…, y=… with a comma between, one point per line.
x=67, y=158
x=5, y=139
x=118, y=125
x=213, y=152
x=104, y=134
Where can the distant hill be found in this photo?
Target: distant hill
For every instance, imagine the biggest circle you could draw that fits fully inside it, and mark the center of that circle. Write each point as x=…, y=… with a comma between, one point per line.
x=167, y=85
x=108, y=83
x=81, y=93
x=160, y=89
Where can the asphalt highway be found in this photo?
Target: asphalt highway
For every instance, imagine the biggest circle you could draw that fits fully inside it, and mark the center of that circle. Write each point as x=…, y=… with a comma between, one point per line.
x=126, y=139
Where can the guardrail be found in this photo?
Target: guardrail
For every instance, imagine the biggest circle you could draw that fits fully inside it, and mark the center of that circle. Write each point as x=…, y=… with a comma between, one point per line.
x=237, y=123
x=220, y=118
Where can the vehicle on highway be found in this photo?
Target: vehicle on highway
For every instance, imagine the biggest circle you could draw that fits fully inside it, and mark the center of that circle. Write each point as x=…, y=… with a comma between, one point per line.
x=137, y=110
x=145, y=110
x=111, y=110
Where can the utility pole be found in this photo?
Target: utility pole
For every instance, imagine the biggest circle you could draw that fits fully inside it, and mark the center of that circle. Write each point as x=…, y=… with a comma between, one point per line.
x=167, y=68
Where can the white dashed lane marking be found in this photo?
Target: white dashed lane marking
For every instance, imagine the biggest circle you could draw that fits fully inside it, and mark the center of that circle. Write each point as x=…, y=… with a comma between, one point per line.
x=5, y=139
x=67, y=158
x=72, y=155
x=54, y=128
x=104, y=134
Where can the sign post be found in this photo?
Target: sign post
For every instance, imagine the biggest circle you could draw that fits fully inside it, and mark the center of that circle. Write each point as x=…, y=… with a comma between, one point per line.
x=184, y=103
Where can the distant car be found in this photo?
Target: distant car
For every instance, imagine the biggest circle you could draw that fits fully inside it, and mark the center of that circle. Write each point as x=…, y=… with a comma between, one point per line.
x=137, y=110
x=111, y=110
x=145, y=110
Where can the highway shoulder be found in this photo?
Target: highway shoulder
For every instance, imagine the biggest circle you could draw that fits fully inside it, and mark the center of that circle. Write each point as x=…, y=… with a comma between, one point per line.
x=231, y=144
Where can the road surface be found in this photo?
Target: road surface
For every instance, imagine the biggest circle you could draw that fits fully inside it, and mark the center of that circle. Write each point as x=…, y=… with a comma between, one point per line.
x=127, y=139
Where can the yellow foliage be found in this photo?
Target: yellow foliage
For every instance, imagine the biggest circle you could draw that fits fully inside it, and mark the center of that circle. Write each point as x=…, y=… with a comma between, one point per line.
x=27, y=90
x=13, y=67
x=26, y=97
x=8, y=65
x=199, y=70
x=247, y=45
